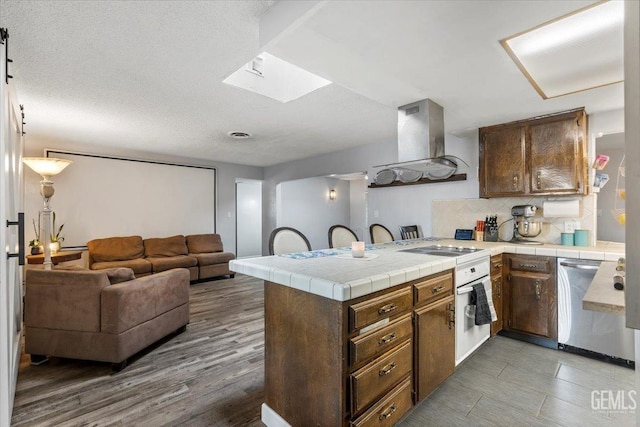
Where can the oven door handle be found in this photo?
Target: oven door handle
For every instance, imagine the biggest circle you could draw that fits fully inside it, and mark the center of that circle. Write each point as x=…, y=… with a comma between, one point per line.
x=468, y=288
x=464, y=289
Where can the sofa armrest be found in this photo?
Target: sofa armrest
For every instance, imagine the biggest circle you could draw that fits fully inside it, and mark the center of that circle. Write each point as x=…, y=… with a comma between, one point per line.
x=132, y=303
x=64, y=299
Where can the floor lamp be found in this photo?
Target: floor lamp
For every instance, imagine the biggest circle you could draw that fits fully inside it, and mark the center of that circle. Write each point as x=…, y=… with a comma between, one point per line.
x=46, y=167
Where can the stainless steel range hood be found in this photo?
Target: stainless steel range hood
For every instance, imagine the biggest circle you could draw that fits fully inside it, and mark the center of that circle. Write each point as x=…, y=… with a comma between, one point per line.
x=420, y=145
x=420, y=131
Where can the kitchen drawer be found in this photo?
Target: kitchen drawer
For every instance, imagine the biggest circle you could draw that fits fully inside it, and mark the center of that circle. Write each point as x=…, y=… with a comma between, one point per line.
x=369, y=345
x=531, y=263
x=389, y=409
x=433, y=289
x=496, y=265
x=382, y=307
x=376, y=378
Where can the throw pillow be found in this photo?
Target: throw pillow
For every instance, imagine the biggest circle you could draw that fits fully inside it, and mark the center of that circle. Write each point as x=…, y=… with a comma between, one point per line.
x=119, y=275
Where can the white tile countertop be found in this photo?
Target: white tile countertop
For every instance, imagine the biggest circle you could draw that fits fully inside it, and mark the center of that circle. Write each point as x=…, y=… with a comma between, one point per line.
x=601, y=295
x=343, y=279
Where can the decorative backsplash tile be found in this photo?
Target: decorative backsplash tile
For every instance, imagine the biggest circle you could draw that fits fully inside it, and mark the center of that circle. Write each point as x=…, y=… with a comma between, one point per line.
x=447, y=215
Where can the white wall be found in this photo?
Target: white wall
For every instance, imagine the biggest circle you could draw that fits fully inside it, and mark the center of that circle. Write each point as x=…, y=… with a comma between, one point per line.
x=305, y=205
x=227, y=173
x=248, y=218
x=395, y=206
x=358, y=208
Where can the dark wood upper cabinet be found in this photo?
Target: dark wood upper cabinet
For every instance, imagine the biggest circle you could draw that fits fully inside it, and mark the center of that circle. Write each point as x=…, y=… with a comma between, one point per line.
x=502, y=161
x=540, y=156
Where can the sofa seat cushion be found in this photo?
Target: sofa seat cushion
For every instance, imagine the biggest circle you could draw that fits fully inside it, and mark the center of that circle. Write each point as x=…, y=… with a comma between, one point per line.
x=214, y=258
x=115, y=249
x=139, y=266
x=204, y=243
x=167, y=263
x=119, y=275
x=166, y=246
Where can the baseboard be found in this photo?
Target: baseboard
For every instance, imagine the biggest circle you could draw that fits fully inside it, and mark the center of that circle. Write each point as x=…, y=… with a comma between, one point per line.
x=271, y=418
x=544, y=342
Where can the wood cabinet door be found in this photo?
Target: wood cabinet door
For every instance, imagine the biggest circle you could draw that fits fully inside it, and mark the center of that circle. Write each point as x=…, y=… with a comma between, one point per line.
x=496, y=293
x=502, y=161
x=557, y=155
x=530, y=302
x=435, y=345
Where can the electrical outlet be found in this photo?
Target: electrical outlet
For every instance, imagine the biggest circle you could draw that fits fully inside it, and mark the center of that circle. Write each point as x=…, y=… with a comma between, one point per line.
x=571, y=226
x=375, y=214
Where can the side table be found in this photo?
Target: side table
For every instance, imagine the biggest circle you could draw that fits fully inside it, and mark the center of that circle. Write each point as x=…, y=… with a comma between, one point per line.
x=55, y=258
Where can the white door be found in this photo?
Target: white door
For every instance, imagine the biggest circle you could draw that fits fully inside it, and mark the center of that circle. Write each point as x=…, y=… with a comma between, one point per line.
x=248, y=218
x=11, y=191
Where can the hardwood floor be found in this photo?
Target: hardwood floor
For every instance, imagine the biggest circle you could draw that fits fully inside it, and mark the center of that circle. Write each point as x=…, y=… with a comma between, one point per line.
x=212, y=375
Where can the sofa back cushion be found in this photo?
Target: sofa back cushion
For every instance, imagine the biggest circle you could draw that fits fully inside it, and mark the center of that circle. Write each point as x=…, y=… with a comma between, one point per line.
x=61, y=299
x=165, y=246
x=115, y=249
x=204, y=243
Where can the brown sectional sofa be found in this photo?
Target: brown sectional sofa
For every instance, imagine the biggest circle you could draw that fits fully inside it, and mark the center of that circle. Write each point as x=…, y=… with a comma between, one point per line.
x=170, y=252
x=105, y=315
x=212, y=260
x=202, y=254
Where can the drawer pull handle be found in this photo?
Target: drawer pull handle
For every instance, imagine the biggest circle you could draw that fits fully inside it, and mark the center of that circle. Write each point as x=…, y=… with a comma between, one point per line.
x=497, y=266
x=529, y=265
x=515, y=182
x=538, y=290
x=387, y=369
x=387, y=412
x=436, y=290
x=387, y=338
x=386, y=308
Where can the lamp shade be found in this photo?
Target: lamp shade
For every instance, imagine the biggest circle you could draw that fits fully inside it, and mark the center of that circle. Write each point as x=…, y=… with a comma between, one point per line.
x=46, y=166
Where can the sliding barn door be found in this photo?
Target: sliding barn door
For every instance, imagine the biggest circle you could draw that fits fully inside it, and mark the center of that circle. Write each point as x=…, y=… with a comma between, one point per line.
x=11, y=191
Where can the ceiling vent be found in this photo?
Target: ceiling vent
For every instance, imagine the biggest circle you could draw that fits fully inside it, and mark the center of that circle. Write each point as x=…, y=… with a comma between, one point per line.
x=239, y=135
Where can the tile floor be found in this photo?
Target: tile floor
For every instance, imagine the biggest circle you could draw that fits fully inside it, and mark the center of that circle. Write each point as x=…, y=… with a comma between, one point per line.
x=513, y=383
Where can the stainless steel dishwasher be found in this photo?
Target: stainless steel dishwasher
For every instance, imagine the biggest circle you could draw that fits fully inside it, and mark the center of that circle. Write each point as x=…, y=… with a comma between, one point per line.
x=580, y=329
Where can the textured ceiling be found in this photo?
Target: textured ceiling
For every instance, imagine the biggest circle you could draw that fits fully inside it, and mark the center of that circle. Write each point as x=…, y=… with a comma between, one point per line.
x=148, y=75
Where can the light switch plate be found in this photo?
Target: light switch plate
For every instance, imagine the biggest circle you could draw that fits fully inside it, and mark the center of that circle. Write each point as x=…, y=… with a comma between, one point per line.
x=571, y=226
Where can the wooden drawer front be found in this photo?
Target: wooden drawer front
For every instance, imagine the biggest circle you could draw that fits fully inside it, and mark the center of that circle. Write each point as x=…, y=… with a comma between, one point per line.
x=433, y=289
x=389, y=409
x=379, y=340
x=376, y=309
x=496, y=265
x=535, y=264
x=376, y=378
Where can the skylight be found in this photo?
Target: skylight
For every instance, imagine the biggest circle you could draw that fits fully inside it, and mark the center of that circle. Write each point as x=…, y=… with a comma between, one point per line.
x=579, y=51
x=275, y=78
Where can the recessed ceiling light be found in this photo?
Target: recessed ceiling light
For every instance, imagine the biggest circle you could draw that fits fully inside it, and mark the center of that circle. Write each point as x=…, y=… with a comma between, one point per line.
x=275, y=78
x=579, y=51
x=239, y=135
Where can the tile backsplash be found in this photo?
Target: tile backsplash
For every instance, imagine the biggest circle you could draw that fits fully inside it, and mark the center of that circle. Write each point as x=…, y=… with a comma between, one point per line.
x=447, y=215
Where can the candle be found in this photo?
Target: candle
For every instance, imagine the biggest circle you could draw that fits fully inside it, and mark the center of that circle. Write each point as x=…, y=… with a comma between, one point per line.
x=357, y=249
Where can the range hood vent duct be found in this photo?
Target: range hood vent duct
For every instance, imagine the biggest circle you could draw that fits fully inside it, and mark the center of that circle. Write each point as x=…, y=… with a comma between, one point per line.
x=420, y=131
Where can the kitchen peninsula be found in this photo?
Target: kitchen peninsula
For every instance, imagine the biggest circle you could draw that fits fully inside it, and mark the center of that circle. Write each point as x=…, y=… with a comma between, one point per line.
x=340, y=345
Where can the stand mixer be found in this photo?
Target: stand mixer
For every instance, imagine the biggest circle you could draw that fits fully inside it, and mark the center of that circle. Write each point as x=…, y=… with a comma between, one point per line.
x=523, y=225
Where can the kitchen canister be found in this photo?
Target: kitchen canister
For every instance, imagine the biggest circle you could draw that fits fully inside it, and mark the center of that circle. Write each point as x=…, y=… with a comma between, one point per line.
x=581, y=237
x=566, y=239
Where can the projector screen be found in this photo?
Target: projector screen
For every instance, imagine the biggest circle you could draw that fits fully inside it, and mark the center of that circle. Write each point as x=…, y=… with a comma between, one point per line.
x=101, y=196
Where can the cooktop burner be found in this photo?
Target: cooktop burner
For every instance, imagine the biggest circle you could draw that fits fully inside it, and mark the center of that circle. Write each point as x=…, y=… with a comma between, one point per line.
x=440, y=250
